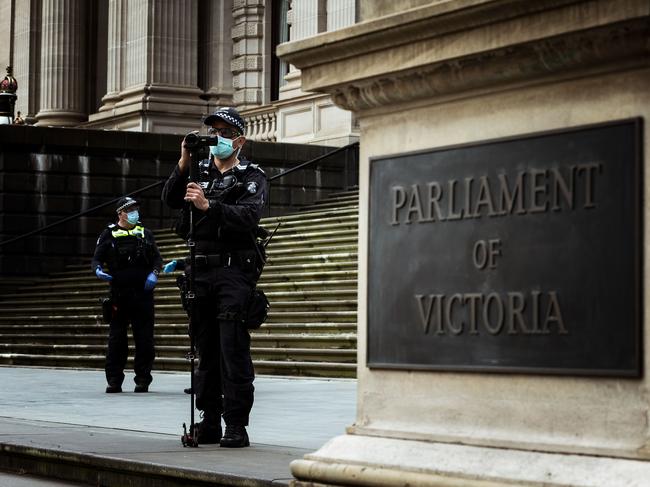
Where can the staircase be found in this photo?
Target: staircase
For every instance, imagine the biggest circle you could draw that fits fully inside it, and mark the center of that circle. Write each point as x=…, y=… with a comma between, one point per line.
x=310, y=280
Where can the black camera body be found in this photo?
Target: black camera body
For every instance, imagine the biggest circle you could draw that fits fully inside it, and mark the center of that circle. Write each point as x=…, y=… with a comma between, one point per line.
x=194, y=141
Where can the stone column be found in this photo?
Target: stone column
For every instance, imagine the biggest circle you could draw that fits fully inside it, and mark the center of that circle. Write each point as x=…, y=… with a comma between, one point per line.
x=116, y=48
x=63, y=63
x=340, y=13
x=26, y=65
x=248, y=53
x=307, y=18
x=475, y=96
x=217, y=51
x=153, y=50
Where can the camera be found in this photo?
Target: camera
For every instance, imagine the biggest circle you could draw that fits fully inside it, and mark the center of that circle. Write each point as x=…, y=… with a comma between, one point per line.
x=194, y=140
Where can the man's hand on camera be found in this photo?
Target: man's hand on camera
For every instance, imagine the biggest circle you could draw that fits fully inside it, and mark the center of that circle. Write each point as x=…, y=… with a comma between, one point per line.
x=195, y=195
x=184, y=161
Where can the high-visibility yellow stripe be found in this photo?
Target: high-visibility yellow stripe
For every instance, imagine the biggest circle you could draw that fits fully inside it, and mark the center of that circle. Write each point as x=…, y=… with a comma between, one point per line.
x=137, y=231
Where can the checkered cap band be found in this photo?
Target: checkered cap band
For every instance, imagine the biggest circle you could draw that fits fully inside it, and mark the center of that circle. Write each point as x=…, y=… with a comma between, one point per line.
x=228, y=115
x=125, y=203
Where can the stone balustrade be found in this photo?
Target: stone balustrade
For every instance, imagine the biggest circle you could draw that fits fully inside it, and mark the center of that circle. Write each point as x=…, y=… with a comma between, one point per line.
x=261, y=123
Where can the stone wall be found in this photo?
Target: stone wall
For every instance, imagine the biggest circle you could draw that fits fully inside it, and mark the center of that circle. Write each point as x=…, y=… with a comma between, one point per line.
x=48, y=174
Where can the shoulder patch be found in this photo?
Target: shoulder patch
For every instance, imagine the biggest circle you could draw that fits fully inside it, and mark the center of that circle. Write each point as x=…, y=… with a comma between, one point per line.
x=255, y=167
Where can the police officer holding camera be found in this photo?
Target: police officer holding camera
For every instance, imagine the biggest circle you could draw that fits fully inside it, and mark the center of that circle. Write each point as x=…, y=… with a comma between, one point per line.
x=129, y=250
x=229, y=199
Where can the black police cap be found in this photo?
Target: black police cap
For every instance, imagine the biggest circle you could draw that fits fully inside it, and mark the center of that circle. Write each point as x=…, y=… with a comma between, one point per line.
x=228, y=115
x=124, y=203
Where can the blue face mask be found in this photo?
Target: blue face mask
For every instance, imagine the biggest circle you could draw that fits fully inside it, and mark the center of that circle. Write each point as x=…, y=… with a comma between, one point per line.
x=223, y=150
x=132, y=217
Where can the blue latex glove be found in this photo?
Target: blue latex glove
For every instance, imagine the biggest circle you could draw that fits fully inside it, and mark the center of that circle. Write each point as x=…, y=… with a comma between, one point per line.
x=170, y=267
x=151, y=281
x=102, y=275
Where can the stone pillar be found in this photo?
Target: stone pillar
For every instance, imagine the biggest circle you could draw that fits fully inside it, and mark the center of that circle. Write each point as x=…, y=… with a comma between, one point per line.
x=248, y=53
x=340, y=13
x=116, y=49
x=217, y=51
x=153, y=50
x=453, y=100
x=307, y=18
x=63, y=63
x=26, y=56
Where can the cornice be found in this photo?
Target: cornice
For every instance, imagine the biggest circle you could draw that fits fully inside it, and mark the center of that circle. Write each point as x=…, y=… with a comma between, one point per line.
x=623, y=46
x=439, y=51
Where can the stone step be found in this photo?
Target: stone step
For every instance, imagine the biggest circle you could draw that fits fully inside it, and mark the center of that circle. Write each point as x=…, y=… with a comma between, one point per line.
x=309, y=214
x=164, y=309
x=310, y=279
x=285, y=265
x=179, y=328
x=179, y=351
x=70, y=285
x=279, y=367
x=171, y=295
x=97, y=289
x=285, y=228
x=283, y=251
x=272, y=253
x=176, y=317
x=281, y=259
x=286, y=340
x=341, y=203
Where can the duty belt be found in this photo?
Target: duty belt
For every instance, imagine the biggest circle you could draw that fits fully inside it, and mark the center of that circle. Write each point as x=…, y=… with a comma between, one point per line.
x=215, y=260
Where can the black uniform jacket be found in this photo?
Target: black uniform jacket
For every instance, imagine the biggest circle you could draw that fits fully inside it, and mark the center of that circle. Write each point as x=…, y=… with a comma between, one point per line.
x=129, y=254
x=237, y=199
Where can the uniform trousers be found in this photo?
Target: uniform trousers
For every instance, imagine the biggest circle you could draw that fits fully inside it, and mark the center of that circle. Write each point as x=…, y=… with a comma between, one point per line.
x=225, y=374
x=135, y=307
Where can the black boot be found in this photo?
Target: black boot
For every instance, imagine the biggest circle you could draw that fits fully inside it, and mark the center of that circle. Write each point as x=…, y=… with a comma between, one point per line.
x=235, y=437
x=209, y=430
x=141, y=388
x=113, y=388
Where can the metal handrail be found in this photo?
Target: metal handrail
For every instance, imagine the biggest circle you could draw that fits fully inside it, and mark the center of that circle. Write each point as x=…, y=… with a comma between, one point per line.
x=159, y=183
x=312, y=161
x=81, y=213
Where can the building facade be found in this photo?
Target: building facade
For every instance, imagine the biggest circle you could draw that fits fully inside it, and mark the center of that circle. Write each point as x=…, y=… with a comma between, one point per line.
x=161, y=65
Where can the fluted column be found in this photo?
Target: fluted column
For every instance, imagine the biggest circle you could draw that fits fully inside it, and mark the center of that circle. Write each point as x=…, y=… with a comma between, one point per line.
x=307, y=18
x=153, y=56
x=63, y=63
x=26, y=57
x=340, y=13
x=114, y=59
x=216, y=76
x=248, y=50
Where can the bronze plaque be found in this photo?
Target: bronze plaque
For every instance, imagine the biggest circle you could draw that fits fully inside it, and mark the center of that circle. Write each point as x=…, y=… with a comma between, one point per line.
x=512, y=255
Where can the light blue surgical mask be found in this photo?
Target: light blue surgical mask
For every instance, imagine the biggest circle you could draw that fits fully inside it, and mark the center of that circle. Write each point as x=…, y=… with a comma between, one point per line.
x=223, y=150
x=132, y=217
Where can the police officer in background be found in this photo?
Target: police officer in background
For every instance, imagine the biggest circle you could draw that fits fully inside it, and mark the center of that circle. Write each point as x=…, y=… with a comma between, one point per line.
x=229, y=201
x=133, y=260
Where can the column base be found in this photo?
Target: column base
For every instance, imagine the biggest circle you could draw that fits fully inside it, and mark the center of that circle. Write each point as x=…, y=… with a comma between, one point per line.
x=367, y=460
x=158, y=109
x=59, y=118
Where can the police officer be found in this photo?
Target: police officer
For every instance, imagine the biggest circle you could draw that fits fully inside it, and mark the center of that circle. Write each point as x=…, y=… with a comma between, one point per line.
x=133, y=260
x=228, y=200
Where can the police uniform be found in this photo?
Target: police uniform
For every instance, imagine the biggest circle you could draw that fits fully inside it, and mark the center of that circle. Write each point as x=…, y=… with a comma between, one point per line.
x=227, y=267
x=130, y=255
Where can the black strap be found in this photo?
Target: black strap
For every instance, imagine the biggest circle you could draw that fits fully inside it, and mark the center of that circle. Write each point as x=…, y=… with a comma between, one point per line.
x=215, y=260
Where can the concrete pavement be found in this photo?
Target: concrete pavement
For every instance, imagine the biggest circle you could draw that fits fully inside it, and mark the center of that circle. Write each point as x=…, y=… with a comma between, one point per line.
x=66, y=418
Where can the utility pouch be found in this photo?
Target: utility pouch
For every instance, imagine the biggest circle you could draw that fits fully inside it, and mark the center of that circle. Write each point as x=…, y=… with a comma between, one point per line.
x=257, y=309
x=181, y=226
x=107, y=309
x=181, y=282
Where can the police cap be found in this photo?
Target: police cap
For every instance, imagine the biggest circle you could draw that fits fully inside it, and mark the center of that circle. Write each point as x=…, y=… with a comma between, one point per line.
x=125, y=203
x=228, y=115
